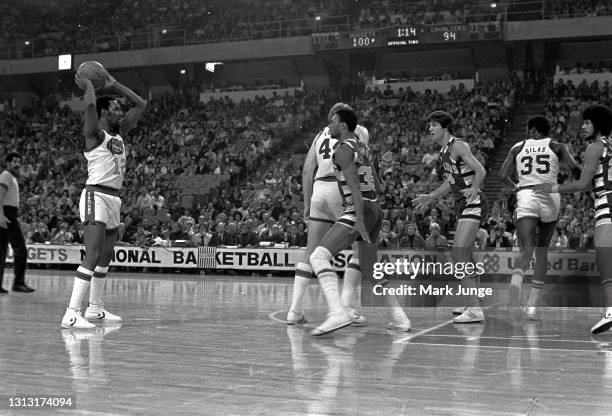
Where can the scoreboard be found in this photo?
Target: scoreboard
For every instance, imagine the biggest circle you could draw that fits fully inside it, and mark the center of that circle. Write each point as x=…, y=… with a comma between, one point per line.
x=407, y=36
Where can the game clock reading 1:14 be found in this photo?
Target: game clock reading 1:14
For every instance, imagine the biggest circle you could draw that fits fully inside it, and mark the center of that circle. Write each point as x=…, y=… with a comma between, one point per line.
x=411, y=35
x=406, y=32
x=436, y=34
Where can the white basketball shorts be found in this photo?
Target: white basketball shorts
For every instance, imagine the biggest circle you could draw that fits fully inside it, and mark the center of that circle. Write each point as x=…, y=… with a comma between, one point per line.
x=98, y=204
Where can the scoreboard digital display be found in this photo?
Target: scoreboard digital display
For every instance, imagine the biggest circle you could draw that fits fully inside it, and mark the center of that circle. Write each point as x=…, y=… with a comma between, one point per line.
x=407, y=36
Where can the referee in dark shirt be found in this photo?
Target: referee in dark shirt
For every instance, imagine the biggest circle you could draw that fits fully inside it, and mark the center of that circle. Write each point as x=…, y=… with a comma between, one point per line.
x=10, y=231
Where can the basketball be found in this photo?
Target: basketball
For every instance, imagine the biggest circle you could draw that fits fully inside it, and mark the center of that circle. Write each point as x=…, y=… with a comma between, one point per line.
x=95, y=72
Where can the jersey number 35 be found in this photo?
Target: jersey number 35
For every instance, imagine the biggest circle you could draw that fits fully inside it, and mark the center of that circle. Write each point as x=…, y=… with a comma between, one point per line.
x=542, y=164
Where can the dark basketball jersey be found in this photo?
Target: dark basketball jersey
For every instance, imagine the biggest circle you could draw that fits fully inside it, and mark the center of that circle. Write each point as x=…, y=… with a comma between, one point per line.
x=363, y=161
x=457, y=172
x=602, y=181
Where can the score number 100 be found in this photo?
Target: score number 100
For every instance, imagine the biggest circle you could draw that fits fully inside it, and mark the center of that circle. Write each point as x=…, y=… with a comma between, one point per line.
x=363, y=41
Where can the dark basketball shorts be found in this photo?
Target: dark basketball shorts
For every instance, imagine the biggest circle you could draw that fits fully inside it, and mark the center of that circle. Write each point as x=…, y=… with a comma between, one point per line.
x=373, y=216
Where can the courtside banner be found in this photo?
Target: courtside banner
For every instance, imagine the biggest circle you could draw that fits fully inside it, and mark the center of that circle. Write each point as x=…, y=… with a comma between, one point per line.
x=561, y=263
x=165, y=257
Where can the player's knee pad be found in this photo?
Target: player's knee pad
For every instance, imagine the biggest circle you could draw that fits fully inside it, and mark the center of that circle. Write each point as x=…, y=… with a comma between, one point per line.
x=304, y=270
x=320, y=260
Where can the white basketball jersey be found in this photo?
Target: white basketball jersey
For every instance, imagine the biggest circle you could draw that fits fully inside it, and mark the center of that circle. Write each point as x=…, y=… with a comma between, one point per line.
x=536, y=163
x=106, y=164
x=362, y=134
x=325, y=146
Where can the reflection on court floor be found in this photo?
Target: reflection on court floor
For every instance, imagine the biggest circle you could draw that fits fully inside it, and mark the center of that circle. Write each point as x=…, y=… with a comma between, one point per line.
x=217, y=346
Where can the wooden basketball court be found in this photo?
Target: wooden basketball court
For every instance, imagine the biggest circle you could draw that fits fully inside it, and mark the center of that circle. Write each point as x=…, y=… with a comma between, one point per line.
x=211, y=345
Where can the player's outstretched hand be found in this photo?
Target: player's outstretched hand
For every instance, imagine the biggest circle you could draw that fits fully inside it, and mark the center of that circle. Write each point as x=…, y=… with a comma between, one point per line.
x=421, y=202
x=543, y=187
x=361, y=228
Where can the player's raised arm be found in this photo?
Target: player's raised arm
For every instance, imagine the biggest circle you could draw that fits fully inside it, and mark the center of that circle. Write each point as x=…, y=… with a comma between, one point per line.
x=308, y=172
x=509, y=167
x=462, y=150
x=131, y=118
x=93, y=134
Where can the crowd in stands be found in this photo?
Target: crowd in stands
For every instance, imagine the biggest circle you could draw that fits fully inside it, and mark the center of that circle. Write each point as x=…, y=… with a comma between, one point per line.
x=385, y=13
x=261, y=200
x=51, y=27
x=586, y=68
x=565, y=104
x=177, y=136
x=408, y=160
x=577, y=8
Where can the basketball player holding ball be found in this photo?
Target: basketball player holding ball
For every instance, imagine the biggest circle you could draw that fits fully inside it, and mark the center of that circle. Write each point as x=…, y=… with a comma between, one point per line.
x=104, y=126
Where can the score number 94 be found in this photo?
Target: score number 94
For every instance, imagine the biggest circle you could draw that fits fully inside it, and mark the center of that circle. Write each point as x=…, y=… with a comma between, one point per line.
x=449, y=36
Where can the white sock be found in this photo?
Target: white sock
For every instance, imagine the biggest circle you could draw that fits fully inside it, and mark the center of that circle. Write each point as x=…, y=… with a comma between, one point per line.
x=97, y=285
x=349, y=287
x=329, y=285
x=300, y=284
x=80, y=288
x=517, y=278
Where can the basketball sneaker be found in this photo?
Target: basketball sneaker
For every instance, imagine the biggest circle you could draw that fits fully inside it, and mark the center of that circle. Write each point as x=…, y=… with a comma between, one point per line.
x=357, y=319
x=333, y=322
x=603, y=325
x=403, y=326
x=294, y=318
x=459, y=311
x=97, y=313
x=471, y=315
x=73, y=319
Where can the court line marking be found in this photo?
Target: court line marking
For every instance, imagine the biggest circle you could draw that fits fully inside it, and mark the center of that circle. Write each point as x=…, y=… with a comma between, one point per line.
x=506, y=347
x=274, y=318
x=543, y=338
x=433, y=328
x=539, y=336
x=422, y=332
